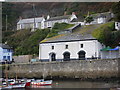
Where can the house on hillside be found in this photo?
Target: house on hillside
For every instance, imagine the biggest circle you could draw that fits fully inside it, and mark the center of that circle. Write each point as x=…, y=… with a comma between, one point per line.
x=41, y=23
x=31, y=23
x=70, y=47
x=117, y=25
x=100, y=18
x=49, y=23
x=5, y=53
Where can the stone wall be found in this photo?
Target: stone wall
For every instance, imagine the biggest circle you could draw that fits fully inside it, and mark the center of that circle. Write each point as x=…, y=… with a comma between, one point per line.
x=70, y=69
x=22, y=58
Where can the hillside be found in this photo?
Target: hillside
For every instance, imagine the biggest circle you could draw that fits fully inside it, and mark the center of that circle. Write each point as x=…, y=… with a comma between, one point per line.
x=25, y=42
x=25, y=10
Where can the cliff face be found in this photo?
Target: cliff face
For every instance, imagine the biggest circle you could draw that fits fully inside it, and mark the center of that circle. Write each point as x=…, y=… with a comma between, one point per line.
x=25, y=9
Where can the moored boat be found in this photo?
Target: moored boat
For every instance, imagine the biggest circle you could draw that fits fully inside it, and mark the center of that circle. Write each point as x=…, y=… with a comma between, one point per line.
x=41, y=82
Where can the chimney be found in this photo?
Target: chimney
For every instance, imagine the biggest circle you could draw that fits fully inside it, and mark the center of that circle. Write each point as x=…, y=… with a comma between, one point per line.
x=43, y=15
x=73, y=13
x=48, y=17
x=65, y=13
x=20, y=18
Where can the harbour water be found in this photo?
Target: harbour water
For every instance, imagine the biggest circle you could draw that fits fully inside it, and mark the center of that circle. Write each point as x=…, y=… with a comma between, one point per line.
x=77, y=84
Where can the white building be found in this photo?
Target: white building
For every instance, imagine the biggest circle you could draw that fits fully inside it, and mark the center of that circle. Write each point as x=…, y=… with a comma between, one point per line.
x=100, y=18
x=5, y=53
x=59, y=19
x=41, y=23
x=31, y=23
x=69, y=47
x=117, y=25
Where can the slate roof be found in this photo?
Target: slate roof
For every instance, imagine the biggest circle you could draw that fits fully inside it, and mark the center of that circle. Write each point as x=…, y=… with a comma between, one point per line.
x=59, y=18
x=69, y=37
x=105, y=15
x=30, y=20
x=5, y=46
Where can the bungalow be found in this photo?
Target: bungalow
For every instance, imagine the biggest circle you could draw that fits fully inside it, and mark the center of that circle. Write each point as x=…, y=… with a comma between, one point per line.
x=5, y=53
x=69, y=47
x=31, y=23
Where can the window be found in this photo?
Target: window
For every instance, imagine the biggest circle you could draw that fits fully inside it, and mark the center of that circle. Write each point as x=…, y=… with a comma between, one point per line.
x=4, y=57
x=8, y=57
x=52, y=47
x=117, y=24
x=81, y=45
x=66, y=46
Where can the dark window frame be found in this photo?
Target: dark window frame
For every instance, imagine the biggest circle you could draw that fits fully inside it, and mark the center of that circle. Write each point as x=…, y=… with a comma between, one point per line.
x=81, y=45
x=66, y=46
x=52, y=47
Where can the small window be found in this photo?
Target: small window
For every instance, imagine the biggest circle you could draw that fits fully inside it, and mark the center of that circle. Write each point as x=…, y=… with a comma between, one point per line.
x=66, y=46
x=81, y=45
x=4, y=57
x=52, y=47
x=117, y=24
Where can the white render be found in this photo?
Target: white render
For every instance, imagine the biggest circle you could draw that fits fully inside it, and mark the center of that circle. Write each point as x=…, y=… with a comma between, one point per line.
x=60, y=19
x=91, y=47
x=31, y=23
x=117, y=25
x=41, y=23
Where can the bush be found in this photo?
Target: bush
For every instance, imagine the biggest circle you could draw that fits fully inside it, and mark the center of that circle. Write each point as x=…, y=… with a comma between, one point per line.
x=107, y=34
x=58, y=27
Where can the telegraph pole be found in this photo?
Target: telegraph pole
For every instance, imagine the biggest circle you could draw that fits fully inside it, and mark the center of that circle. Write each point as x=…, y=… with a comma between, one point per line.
x=35, y=14
x=34, y=18
x=6, y=22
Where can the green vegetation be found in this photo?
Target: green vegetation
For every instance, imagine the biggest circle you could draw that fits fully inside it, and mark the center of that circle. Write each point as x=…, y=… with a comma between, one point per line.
x=116, y=11
x=58, y=27
x=107, y=34
x=14, y=10
x=89, y=19
x=87, y=29
x=25, y=41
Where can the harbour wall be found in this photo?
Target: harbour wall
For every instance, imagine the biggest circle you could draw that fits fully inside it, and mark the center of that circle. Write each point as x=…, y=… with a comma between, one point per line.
x=69, y=69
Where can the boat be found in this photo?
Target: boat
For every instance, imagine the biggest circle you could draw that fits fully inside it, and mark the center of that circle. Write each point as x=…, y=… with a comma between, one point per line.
x=41, y=82
x=20, y=84
x=5, y=87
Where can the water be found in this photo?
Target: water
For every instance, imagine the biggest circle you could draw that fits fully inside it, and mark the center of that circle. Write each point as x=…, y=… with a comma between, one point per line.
x=77, y=84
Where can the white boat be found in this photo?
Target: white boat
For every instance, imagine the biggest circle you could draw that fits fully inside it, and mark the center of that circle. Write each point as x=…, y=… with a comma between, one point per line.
x=5, y=87
x=18, y=85
x=41, y=82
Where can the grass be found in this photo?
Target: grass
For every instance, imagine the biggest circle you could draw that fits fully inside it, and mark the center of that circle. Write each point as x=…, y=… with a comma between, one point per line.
x=58, y=27
x=87, y=29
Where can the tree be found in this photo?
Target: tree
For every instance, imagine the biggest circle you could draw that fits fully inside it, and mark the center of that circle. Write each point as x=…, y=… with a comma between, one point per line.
x=88, y=19
x=116, y=11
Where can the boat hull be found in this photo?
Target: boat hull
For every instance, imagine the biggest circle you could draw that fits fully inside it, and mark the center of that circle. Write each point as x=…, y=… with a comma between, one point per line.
x=43, y=83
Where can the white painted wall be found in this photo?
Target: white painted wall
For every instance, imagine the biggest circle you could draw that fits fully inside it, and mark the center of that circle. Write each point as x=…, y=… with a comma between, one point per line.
x=101, y=20
x=1, y=54
x=117, y=25
x=73, y=17
x=92, y=48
